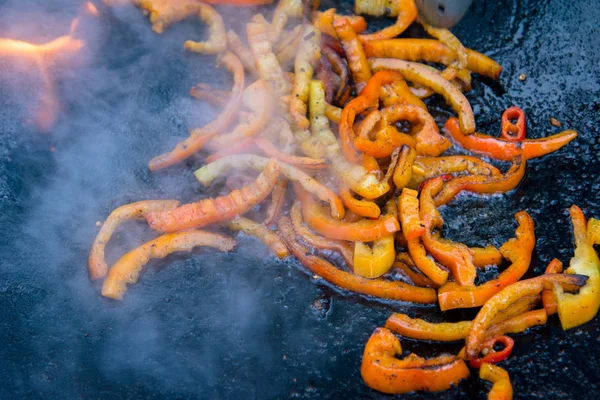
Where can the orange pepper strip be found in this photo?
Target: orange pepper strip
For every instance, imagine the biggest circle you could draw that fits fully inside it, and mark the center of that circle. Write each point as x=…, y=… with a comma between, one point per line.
x=416, y=328
x=403, y=171
x=208, y=211
x=277, y=201
x=548, y=299
x=324, y=21
x=408, y=204
x=483, y=183
x=368, y=98
x=454, y=256
x=138, y=210
x=307, y=56
x=485, y=256
x=519, y=323
x=239, y=3
x=242, y=146
x=430, y=167
x=333, y=113
x=430, y=50
x=357, y=61
x=346, y=249
x=425, y=264
x=506, y=150
x=417, y=278
x=128, y=268
x=364, y=208
x=430, y=77
x=407, y=14
x=262, y=233
x=399, y=93
x=258, y=97
x=502, y=388
x=216, y=97
x=507, y=296
x=392, y=290
x=302, y=162
x=201, y=136
x=387, y=138
x=242, y=51
x=518, y=250
x=382, y=371
x=321, y=222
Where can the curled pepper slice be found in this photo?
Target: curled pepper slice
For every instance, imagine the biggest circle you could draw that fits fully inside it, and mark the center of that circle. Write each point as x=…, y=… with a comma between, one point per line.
x=509, y=295
x=493, y=356
x=513, y=132
x=407, y=14
x=137, y=210
x=392, y=290
x=303, y=162
x=431, y=78
x=372, y=262
x=576, y=309
x=324, y=21
x=277, y=201
x=262, y=233
x=364, y=230
x=409, y=270
x=518, y=323
x=430, y=167
x=208, y=211
x=364, y=208
x=382, y=371
x=518, y=250
x=357, y=61
x=403, y=171
x=201, y=136
x=399, y=93
x=502, y=388
x=505, y=150
x=128, y=268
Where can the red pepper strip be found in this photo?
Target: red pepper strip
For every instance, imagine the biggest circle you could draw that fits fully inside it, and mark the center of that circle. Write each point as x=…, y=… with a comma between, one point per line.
x=262, y=233
x=137, y=210
x=208, y=211
x=425, y=131
x=201, y=136
x=505, y=150
x=364, y=208
x=430, y=50
x=345, y=249
x=407, y=14
x=392, y=290
x=357, y=61
x=454, y=256
x=239, y=147
x=507, y=296
x=368, y=98
x=319, y=220
x=502, y=388
x=382, y=371
x=518, y=251
x=548, y=298
x=483, y=183
x=513, y=132
x=301, y=162
x=518, y=323
x=128, y=268
x=277, y=201
x=494, y=356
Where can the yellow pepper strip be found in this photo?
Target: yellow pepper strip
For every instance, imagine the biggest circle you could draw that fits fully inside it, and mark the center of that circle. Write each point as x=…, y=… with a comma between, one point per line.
x=306, y=57
x=364, y=208
x=502, y=388
x=593, y=231
x=357, y=61
x=372, y=262
x=382, y=371
x=430, y=77
x=285, y=10
x=519, y=323
x=574, y=310
x=430, y=50
x=416, y=328
x=518, y=250
x=485, y=256
x=403, y=172
x=262, y=233
x=509, y=295
x=128, y=268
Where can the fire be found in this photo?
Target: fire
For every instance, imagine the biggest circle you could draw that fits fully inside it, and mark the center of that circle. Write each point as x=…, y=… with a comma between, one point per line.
x=43, y=56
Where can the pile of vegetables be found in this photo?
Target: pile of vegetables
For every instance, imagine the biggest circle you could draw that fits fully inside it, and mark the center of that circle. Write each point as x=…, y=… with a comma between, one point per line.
x=326, y=131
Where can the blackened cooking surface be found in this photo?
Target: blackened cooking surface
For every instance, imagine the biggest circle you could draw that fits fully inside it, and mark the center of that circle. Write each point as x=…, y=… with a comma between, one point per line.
x=243, y=325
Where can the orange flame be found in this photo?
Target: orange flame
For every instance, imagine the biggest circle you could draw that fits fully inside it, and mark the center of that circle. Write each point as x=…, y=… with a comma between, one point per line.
x=43, y=55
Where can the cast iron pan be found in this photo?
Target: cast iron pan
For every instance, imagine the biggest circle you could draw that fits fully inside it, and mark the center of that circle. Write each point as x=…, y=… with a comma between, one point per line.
x=244, y=325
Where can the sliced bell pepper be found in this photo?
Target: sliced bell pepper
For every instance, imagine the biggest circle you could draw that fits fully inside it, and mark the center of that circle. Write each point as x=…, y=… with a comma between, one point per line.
x=372, y=262
x=407, y=14
x=319, y=220
x=412, y=274
x=507, y=296
x=577, y=309
x=307, y=56
x=127, y=269
x=518, y=323
x=518, y=250
x=387, y=138
x=502, y=388
x=408, y=204
x=593, y=231
x=403, y=171
x=514, y=132
x=399, y=93
x=505, y=150
x=430, y=167
x=415, y=328
x=486, y=256
x=261, y=232
x=302, y=162
x=493, y=356
x=392, y=290
x=382, y=371
x=324, y=20
x=364, y=208
x=357, y=61
x=548, y=298
x=277, y=201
